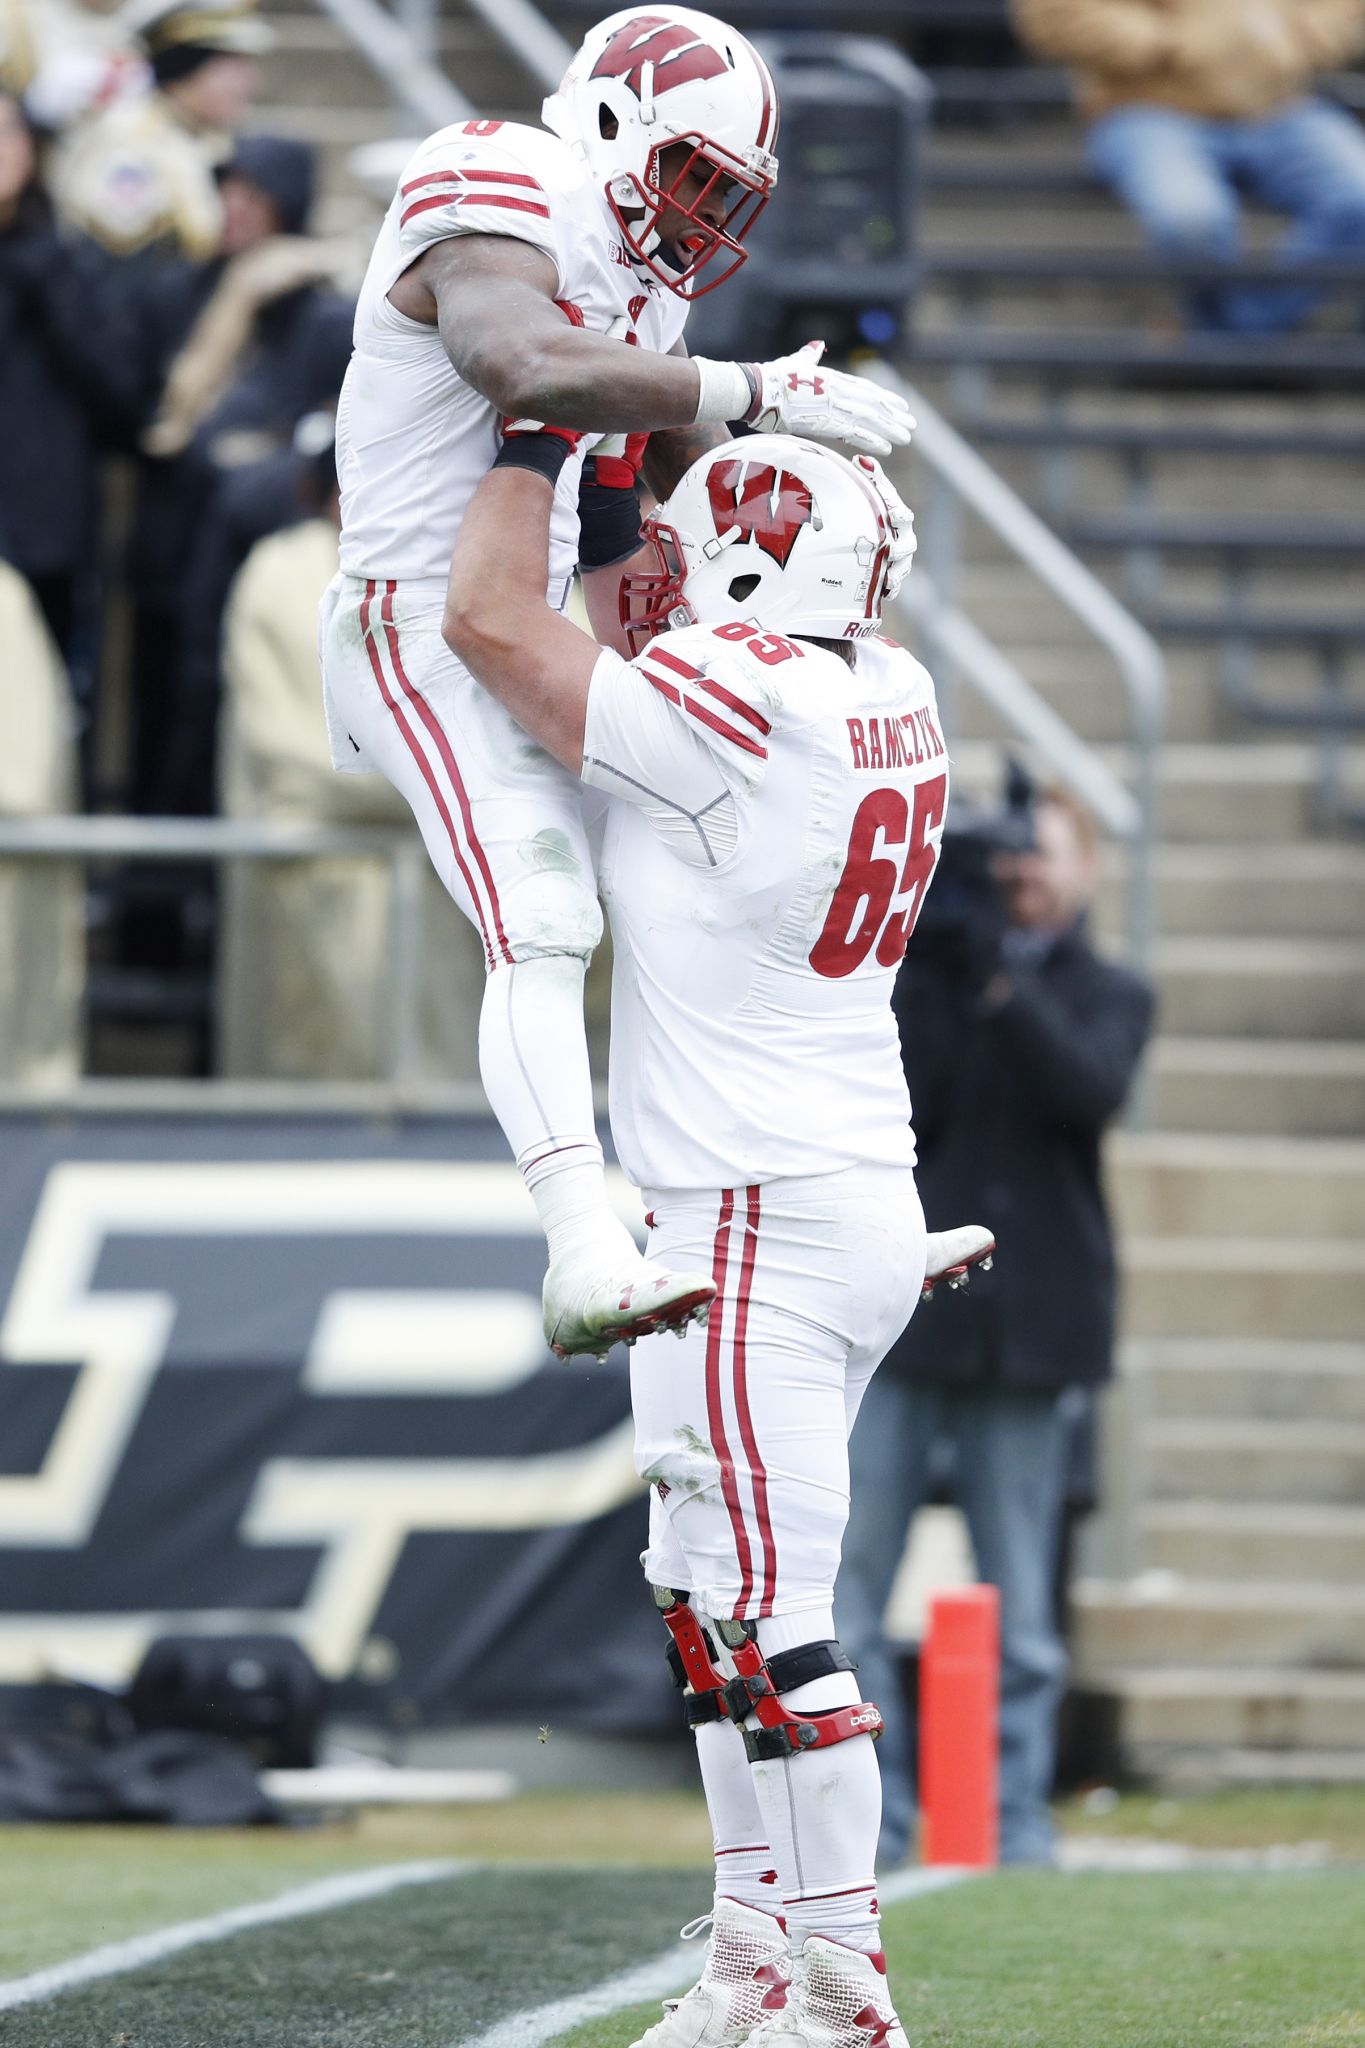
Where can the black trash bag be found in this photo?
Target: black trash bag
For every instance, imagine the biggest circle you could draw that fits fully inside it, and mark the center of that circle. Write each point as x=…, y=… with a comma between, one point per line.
x=262, y=1692
x=178, y=1780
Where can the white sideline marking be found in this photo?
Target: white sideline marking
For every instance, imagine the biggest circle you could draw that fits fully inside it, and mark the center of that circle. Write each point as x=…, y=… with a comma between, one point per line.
x=673, y=1970
x=324, y=1896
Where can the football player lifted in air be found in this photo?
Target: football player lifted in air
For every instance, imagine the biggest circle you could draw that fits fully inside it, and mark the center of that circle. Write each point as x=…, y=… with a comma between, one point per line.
x=776, y=782
x=524, y=278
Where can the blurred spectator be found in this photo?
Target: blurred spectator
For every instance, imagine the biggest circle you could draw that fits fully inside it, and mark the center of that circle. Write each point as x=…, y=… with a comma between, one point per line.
x=241, y=347
x=18, y=56
x=83, y=60
x=1020, y=1043
x=139, y=174
x=71, y=382
x=40, y=900
x=1194, y=103
x=308, y=944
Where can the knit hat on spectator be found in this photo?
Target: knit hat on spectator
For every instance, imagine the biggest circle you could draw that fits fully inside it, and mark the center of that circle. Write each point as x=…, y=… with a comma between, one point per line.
x=180, y=36
x=282, y=169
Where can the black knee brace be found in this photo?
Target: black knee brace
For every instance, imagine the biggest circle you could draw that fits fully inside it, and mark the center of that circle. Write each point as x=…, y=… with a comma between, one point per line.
x=754, y=1691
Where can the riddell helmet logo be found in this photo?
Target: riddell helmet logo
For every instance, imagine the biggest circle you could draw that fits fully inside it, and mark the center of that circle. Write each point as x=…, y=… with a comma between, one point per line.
x=678, y=55
x=768, y=506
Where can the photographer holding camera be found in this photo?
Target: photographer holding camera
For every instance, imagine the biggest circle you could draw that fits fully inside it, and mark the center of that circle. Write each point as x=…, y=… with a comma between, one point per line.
x=1020, y=1043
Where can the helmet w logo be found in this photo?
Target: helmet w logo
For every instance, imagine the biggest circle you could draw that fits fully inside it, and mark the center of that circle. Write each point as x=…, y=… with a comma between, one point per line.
x=769, y=506
x=677, y=54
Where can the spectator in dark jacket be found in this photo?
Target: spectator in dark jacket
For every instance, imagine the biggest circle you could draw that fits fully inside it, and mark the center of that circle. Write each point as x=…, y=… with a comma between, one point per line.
x=1018, y=1054
x=69, y=379
x=240, y=349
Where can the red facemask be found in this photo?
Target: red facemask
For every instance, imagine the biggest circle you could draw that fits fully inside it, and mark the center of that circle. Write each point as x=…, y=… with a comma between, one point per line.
x=651, y=598
x=701, y=243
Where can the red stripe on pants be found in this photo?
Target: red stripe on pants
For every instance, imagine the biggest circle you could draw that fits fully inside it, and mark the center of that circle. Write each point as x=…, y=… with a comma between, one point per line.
x=443, y=748
x=747, y=1435
x=427, y=772
x=715, y=1417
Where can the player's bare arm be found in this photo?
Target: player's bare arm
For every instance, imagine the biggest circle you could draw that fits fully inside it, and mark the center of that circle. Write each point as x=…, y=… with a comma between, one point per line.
x=497, y=622
x=493, y=300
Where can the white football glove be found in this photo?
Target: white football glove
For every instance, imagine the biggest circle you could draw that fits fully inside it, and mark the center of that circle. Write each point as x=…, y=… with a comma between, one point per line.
x=900, y=519
x=796, y=395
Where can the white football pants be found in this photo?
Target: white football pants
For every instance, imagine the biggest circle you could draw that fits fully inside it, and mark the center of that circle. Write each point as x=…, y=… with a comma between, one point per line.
x=741, y=1428
x=503, y=824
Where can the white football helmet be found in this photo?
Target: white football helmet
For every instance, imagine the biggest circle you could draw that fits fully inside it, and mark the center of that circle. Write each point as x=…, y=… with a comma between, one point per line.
x=779, y=531
x=650, y=77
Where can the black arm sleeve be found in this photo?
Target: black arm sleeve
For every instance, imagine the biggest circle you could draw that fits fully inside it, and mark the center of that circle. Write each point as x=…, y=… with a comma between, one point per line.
x=608, y=520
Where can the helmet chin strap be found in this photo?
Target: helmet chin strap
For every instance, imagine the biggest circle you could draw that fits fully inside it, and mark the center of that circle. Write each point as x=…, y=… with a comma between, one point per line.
x=712, y=548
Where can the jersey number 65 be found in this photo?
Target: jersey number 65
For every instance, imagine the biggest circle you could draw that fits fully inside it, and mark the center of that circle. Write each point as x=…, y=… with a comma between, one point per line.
x=879, y=896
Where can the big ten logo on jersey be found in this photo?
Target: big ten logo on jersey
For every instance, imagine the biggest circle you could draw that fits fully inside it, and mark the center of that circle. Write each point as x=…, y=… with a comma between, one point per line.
x=757, y=502
x=905, y=739
x=674, y=54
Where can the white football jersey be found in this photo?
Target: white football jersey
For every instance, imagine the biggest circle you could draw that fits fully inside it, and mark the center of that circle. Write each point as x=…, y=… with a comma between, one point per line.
x=413, y=439
x=775, y=824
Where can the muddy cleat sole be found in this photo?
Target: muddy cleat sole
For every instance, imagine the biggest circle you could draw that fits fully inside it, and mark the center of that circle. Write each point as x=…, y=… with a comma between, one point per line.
x=587, y=1321
x=954, y=1254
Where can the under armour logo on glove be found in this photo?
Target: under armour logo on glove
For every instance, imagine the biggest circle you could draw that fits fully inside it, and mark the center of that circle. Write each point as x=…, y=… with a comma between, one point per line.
x=790, y=398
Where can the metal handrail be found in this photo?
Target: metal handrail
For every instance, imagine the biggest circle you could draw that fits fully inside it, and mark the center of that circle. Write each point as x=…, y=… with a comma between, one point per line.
x=523, y=30
x=395, y=53
x=964, y=480
x=230, y=839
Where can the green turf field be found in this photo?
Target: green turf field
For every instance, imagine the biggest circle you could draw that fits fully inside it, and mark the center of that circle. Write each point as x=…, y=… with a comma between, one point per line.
x=577, y=1887
x=1042, y=1961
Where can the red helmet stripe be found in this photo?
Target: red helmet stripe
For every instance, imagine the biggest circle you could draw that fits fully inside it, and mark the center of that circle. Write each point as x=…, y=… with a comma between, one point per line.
x=772, y=111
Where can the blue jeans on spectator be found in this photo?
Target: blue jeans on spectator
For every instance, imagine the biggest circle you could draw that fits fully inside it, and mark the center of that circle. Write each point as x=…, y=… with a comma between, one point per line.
x=1183, y=177
x=1010, y=1482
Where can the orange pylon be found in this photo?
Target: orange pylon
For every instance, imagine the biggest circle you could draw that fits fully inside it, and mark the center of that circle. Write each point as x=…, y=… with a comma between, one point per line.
x=959, y=1741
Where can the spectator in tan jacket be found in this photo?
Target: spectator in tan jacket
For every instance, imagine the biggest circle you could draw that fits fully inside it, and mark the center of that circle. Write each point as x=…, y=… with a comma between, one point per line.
x=1193, y=103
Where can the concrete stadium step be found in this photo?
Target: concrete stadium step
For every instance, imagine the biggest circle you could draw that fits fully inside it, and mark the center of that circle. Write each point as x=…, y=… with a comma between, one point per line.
x=1004, y=603
x=1079, y=682
x=1213, y=1539
x=1253, y=987
x=1312, y=889
x=315, y=63
x=1174, y=1184
x=1245, y=1461
x=1232, y=792
x=1245, y=1379
x=1302, y=1088
x=1257, y=1286
x=1159, y=1619
x=1255, y=1707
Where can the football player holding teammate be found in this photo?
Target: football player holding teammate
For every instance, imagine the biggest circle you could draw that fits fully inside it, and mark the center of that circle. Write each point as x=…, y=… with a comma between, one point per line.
x=770, y=785
x=775, y=781
x=522, y=278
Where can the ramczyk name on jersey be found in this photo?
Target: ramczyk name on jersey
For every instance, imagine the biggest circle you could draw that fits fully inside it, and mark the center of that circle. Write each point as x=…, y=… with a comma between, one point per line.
x=896, y=742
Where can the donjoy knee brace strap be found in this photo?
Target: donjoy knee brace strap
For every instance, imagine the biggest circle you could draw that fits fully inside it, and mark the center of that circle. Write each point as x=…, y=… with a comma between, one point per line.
x=754, y=1692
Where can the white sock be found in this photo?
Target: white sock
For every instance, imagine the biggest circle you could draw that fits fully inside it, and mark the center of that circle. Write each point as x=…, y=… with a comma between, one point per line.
x=744, y=1862
x=822, y=1810
x=533, y=1057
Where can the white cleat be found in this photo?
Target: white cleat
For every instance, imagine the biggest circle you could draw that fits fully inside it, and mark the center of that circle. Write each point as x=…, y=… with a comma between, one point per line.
x=743, y=1984
x=587, y=1311
x=953, y=1254
x=838, y=1998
